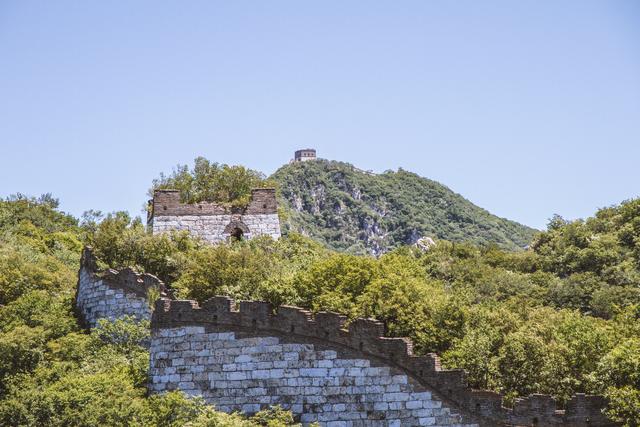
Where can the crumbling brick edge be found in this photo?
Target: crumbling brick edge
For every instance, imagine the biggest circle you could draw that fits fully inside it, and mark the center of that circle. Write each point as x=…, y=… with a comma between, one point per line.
x=166, y=202
x=143, y=285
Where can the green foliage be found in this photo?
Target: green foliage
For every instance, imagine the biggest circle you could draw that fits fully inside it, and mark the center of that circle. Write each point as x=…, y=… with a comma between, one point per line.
x=560, y=318
x=335, y=283
x=607, y=244
x=599, y=257
x=273, y=417
x=118, y=241
x=212, y=182
x=126, y=334
x=229, y=269
x=24, y=269
x=174, y=409
x=351, y=210
x=618, y=377
x=256, y=269
x=624, y=405
x=413, y=305
x=41, y=212
x=38, y=247
x=53, y=373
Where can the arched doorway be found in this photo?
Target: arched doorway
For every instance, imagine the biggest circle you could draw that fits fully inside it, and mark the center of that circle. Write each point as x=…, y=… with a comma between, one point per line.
x=237, y=230
x=236, y=234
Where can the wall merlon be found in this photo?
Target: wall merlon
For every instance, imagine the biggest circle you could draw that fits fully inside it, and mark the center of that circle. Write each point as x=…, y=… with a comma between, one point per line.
x=167, y=203
x=126, y=278
x=263, y=201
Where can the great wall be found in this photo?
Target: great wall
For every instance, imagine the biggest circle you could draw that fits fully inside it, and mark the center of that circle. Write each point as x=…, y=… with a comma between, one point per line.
x=248, y=355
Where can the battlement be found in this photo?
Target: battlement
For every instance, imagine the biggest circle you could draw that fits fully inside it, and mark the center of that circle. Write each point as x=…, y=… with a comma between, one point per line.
x=126, y=279
x=111, y=294
x=167, y=203
x=365, y=337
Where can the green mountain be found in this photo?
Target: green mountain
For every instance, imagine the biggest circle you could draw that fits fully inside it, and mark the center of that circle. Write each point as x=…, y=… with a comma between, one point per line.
x=361, y=212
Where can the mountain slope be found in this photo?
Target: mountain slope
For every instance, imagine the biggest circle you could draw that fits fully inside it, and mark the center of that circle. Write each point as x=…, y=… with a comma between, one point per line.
x=349, y=209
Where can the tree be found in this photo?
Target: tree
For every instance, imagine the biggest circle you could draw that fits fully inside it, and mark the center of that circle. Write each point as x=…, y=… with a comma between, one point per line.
x=212, y=182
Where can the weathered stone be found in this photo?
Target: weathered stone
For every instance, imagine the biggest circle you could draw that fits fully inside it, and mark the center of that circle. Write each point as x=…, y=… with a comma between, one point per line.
x=307, y=388
x=212, y=222
x=111, y=294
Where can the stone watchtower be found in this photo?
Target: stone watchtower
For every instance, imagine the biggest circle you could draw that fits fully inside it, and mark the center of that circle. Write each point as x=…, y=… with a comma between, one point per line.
x=213, y=222
x=304, y=155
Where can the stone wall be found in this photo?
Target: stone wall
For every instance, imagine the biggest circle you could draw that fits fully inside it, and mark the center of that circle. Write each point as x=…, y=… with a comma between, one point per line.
x=113, y=294
x=213, y=222
x=253, y=356
x=250, y=374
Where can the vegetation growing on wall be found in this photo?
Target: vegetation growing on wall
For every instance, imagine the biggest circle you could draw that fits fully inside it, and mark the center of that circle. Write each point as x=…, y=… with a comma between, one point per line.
x=518, y=322
x=212, y=182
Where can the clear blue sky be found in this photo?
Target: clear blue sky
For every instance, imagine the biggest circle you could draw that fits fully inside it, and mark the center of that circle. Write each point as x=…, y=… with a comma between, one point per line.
x=527, y=108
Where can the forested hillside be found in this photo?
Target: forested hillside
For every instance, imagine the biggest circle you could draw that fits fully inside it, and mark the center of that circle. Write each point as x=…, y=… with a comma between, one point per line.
x=352, y=210
x=54, y=373
x=559, y=318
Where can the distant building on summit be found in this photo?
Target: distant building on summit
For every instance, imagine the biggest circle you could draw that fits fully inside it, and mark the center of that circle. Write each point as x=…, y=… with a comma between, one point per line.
x=304, y=155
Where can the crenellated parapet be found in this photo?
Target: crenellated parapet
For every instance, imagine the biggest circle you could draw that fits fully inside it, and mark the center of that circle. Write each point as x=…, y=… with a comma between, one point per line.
x=126, y=279
x=247, y=355
x=364, y=338
x=112, y=294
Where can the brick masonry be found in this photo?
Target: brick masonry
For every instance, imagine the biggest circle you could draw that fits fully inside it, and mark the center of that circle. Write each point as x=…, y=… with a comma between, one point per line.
x=113, y=294
x=250, y=374
x=213, y=222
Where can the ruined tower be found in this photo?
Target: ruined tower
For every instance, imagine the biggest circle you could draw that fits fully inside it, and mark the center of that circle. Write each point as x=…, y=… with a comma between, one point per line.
x=213, y=222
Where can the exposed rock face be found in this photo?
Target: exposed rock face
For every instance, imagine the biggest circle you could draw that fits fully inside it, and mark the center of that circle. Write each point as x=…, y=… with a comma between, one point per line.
x=352, y=210
x=212, y=222
x=425, y=243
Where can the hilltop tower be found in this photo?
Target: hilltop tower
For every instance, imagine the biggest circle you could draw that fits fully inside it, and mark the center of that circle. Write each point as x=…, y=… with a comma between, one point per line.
x=304, y=155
